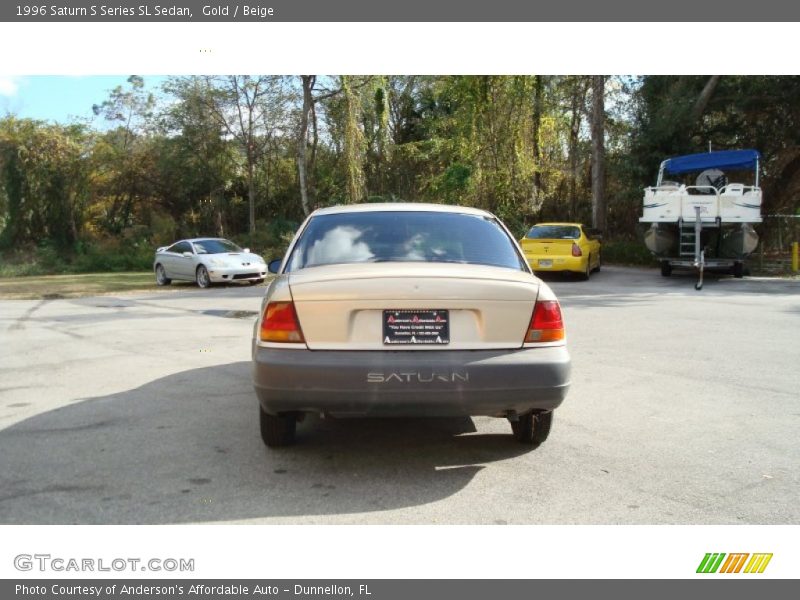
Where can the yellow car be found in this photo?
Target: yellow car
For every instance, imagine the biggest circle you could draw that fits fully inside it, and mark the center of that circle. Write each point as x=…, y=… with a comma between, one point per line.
x=562, y=247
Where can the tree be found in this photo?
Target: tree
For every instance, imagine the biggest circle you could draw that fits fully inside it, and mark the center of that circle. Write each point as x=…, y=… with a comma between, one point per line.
x=132, y=110
x=251, y=109
x=578, y=86
x=196, y=164
x=44, y=174
x=538, y=109
x=353, y=143
x=308, y=115
x=308, y=82
x=598, y=153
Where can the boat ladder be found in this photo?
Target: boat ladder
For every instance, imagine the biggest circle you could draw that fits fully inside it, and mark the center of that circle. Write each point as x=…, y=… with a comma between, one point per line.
x=691, y=246
x=689, y=237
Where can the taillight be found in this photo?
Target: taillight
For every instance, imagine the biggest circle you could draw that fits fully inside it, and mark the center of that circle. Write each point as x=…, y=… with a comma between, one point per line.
x=576, y=250
x=280, y=324
x=546, y=324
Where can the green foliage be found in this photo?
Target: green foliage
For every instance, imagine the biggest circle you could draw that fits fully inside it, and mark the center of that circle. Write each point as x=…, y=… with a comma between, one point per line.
x=108, y=255
x=626, y=252
x=74, y=198
x=44, y=179
x=271, y=239
x=163, y=229
x=353, y=143
x=113, y=255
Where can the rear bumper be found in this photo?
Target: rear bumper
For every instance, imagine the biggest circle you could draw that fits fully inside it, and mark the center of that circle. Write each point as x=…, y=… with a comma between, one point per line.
x=558, y=263
x=411, y=383
x=709, y=263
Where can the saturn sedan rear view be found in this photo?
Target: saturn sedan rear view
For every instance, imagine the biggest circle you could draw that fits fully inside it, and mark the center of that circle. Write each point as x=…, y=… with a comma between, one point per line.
x=408, y=310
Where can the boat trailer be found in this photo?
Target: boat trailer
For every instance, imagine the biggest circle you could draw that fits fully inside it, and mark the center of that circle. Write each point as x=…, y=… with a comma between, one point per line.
x=692, y=253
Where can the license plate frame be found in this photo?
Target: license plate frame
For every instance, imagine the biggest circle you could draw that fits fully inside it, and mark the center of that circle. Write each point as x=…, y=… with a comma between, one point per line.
x=416, y=327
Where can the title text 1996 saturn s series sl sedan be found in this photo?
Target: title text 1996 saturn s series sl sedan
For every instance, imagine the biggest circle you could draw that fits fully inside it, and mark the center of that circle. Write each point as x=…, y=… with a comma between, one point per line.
x=408, y=310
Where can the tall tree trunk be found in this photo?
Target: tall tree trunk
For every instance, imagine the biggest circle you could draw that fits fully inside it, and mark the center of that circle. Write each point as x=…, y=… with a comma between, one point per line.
x=217, y=198
x=312, y=161
x=599, y=208
x=251, y=193
x=302, y=142
x=537, y=153
x=381, y=107
x=704, y=98
x=574, y=130
x=353, y=142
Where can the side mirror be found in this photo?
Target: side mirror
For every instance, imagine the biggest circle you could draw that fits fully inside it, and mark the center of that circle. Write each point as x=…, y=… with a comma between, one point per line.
x=274, y=265
x=187, y=255
x=247, y=250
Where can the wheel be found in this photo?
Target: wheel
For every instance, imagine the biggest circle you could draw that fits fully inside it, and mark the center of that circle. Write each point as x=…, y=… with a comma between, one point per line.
x=738, y=270
x=202, y=277
x=666, y=269
x=587, y=273
x=277, y=430
x=161, y=276
x=597, y=268
x=255, y=281
x=533, y=427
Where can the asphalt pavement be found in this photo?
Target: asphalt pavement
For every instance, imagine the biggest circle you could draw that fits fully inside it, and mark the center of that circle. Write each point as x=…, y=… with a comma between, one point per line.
x=138, y=408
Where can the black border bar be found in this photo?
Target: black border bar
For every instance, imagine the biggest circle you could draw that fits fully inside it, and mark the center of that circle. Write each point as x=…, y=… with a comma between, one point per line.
x=712, y=12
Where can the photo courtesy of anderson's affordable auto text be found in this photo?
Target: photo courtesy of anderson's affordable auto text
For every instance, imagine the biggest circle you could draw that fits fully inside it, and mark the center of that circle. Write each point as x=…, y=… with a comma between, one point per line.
x=495, y=304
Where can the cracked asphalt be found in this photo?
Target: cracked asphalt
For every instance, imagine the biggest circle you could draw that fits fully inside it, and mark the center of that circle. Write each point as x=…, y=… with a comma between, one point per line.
x=138, y=408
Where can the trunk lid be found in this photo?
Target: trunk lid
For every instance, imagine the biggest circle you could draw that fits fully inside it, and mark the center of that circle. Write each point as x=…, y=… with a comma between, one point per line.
x=341, y=307
x=546, y=247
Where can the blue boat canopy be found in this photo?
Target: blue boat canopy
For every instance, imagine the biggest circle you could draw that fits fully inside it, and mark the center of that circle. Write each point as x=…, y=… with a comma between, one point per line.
x=723, y=159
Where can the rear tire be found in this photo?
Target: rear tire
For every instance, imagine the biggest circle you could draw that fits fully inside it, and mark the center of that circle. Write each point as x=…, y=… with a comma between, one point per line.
x=738, y=270
x=588, y=272
x=532, y=427
x=277, y=430
x=666, y=269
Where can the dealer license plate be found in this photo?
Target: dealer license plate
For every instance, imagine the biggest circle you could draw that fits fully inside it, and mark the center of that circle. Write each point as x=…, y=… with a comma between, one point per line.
x=416, y=327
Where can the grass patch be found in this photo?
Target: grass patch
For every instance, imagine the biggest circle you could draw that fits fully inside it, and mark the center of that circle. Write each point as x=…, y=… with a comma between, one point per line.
x=72, y=286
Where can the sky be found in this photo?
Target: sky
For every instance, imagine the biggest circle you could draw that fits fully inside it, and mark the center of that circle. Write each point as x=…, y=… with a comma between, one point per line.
x=60, y=98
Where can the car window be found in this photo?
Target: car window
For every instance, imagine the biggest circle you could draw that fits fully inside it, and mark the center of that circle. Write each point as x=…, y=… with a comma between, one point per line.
x=404, y=236
x=554, y=232
x=181, y=247
x=215, y=246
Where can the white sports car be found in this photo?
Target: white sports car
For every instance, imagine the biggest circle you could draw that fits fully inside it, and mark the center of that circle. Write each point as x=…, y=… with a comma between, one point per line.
x=207, y=261
x=408, y=309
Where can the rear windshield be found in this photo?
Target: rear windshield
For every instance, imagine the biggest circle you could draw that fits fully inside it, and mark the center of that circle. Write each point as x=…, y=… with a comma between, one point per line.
x=404, y=236
x=554, y=232
x=215, y=246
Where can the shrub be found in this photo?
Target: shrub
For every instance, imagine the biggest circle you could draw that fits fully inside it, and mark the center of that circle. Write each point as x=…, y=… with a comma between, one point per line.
x=114, y=255
x=627, y=252
x=271, y=239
